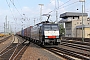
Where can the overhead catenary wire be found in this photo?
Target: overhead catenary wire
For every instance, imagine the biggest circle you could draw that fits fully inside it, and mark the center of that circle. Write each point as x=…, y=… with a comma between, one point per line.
x=10, y=8
x=59, y=6
x=69, y=4
x=20, y=6
x=8, y=3
x=16, y=8
x=58, y=3
x=62, y=6
x=22, y=15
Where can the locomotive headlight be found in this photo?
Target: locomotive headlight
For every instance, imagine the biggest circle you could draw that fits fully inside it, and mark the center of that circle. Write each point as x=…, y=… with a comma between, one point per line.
x=57, y=36
x=46, y=36
x=58, y=40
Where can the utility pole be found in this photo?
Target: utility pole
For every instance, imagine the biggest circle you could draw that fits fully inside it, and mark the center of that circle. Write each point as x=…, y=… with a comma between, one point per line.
x=84, y=6
x=6, y=24
x=41, y=12
x=82, y=19
x=15, y=25
x=10, y=30
x=29, y=21
x=4, y=28
x=56, y=15
x=56, y=9
x=34, y=21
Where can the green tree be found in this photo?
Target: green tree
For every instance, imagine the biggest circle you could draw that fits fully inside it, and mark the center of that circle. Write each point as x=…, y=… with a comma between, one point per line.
x=62, y=30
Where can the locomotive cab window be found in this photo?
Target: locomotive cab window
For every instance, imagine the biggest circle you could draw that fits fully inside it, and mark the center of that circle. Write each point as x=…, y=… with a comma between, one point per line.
x=51, y=27
x=47, y=27
x=54, y=27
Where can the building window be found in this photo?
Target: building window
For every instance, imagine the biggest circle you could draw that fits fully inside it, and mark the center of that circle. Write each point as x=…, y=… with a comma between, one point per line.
x=77, y=22
x=88, y=23
x=78, y=17
x=80, y=23
x=88, y=19
x=68, y=28
x=75, y=17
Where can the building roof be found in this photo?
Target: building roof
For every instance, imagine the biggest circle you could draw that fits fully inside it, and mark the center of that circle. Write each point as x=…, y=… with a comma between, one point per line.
x=72, y=14
x=85, y=26
x=63, y=21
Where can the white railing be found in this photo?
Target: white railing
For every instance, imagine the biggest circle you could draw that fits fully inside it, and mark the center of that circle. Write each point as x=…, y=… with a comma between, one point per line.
x=68, y=19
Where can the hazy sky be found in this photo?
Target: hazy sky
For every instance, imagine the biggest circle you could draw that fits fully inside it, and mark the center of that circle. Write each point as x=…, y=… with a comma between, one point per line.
x=22, y=13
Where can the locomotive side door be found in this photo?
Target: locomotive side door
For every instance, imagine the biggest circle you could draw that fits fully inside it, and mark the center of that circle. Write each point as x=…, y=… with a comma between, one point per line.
x=40, y=34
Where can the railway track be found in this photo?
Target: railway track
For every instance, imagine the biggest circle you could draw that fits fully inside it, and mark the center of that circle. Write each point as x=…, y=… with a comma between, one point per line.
x=14, y=51
x=69, y=55
x=18, y=52
x=78, y=46
x=84, y=46
x=5, y=54
x=76, y=39
x=1, y=41
x=76, y=42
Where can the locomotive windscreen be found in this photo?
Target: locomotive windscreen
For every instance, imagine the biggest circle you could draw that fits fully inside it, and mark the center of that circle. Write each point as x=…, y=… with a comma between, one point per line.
x=51, y=27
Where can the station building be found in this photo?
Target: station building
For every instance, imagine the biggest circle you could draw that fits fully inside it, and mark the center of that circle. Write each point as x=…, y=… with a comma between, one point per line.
x=73, y=24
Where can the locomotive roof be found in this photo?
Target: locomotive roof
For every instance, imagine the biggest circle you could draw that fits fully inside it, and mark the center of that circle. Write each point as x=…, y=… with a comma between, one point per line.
x=43, y=22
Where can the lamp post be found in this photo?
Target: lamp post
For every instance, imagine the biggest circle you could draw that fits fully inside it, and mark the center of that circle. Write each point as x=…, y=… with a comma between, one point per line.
x=56, y=7
x=6, y=24
x=82, y=18
x=41, y=11
x=4, y=29
x=34, y=21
